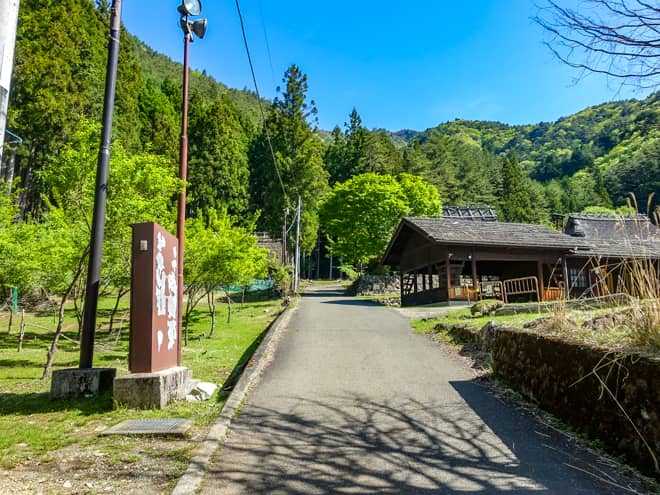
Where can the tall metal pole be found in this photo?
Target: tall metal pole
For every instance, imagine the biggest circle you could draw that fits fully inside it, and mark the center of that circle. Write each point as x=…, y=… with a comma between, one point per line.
x=183, y=174
x=8, y=21
x=100, y=194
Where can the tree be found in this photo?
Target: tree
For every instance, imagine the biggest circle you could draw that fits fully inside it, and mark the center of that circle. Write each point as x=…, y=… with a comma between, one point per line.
x=415, y=161
x=360, y=214
x=218, y=255
x=637, y=173
x=140, y=189
x=335, y=157
x=516, y=201
x=219, y=171
x=618, y=38
x=443, y=167
x=298, y=152
x=379, y=155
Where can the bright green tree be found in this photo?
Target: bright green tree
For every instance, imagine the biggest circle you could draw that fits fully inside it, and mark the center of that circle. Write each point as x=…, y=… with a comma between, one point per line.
x=218, y=255
x=359, y=215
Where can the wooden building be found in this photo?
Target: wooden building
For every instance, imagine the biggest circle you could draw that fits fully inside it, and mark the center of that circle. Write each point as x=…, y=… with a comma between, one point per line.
x=463, y=256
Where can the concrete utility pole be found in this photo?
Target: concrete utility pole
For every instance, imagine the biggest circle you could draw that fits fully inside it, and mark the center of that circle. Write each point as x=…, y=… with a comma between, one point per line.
x=100, y=194
x=8, y=21
x=296, y=267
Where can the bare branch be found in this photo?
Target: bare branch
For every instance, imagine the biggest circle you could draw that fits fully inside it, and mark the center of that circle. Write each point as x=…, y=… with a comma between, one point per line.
x=618, y=38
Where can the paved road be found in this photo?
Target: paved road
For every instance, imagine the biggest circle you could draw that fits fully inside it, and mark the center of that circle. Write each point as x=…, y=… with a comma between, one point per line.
x=354, y=402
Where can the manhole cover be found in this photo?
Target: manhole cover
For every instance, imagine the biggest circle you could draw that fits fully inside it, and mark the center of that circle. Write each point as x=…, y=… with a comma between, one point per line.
x=169, y=427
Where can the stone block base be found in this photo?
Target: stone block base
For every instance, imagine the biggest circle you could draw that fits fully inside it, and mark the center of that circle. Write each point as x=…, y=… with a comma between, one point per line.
x=78, y=383
x=152, y=390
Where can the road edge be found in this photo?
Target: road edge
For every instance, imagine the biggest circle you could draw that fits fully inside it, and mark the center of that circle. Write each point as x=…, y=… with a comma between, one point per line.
x=192, y=479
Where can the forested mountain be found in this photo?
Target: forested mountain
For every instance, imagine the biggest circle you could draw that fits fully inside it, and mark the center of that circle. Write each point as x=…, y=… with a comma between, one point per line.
x=159, y=68
x=609, y=148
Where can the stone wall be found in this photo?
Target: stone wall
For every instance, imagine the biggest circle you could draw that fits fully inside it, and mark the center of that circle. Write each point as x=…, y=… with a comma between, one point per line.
x=375, y=284
x=570, y=381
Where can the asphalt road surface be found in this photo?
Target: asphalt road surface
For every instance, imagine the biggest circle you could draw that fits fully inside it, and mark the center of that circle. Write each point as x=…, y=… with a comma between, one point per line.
x=355, y=402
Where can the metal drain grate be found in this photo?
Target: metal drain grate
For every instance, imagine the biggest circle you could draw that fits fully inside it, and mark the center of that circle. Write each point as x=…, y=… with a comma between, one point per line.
x=168, y=427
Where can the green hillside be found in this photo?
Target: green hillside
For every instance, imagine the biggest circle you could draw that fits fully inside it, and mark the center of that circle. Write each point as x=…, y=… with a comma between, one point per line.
x=619, y=138
x=158, y=68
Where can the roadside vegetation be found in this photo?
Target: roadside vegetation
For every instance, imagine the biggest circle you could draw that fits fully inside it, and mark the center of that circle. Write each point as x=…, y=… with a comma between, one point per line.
x=51, y=436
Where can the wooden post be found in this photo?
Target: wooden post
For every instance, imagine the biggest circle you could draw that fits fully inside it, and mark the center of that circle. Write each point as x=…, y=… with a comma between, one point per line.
x=540, y=286
x=475, y=279
x=430, y=277
x=567, y=284
x=401, y=287
x=448, y=278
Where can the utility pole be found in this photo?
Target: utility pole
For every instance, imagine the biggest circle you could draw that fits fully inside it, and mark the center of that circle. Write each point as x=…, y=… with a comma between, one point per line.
x=297, y=256
x=284, y=247
x=8, y=22
x=100, y=194
x=318, y=256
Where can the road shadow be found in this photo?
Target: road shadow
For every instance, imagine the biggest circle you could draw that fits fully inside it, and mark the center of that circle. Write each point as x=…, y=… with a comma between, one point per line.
x=329, y=292
x=356, y=445
x=352, y=302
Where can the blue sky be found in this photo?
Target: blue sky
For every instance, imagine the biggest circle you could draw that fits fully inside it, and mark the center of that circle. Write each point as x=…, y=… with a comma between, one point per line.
x=401, y=64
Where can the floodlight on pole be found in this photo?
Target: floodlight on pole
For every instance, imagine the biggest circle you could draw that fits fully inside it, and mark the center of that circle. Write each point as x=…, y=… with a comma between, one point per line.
x=190, y=30
x=190, y=7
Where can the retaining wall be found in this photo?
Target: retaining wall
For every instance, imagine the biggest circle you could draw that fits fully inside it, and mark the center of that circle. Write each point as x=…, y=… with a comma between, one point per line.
x=569, y=379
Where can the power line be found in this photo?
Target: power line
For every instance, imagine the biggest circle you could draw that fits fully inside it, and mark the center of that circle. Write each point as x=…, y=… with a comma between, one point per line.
x=261, y=108
x=270, y=59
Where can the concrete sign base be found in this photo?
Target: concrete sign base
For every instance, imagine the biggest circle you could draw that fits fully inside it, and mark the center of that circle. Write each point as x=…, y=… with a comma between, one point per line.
x=152, y=390
x=76, y=383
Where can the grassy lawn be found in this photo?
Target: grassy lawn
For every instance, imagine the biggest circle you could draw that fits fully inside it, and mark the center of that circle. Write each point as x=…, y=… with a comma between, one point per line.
x=33, y=427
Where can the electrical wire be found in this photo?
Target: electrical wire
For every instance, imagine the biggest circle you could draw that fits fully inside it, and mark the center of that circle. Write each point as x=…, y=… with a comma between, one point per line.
x=270, y=59
x=261, y=108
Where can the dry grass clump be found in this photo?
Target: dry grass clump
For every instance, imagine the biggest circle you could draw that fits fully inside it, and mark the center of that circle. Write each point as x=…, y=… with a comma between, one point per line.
x=643, y=324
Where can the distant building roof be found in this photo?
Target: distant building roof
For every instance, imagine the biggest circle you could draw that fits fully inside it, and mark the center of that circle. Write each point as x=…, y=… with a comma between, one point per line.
x=596, y=227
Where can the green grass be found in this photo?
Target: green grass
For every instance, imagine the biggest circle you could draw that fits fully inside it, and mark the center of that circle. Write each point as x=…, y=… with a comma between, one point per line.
x=32, y=426
x=618, y=338
x=464, y=317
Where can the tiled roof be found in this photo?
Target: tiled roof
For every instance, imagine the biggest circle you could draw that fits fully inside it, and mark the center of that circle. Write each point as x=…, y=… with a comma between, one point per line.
x=636, y=227
x=467, y=232
x=617, y=248
x=456, y=231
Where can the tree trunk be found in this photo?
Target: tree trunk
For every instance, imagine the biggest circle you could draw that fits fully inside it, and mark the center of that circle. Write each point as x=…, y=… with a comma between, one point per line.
x=187, y=319
x=242, y=297
x=228, y=307
x=11, y=320
x=122, y=292
x=211, y=299
x=78, y=304
x=21, y=334
x=60, y=320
